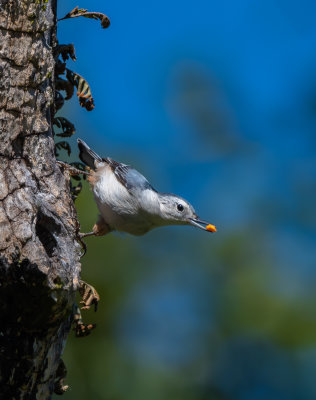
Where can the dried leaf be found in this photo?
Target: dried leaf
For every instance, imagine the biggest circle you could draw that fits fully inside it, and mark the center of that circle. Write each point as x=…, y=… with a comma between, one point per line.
x=63, y=145
x=60, y=68
x=66, y=85
x=66, y=51
x=83, y=89
x=59, y=101
x=75, y=190
x=76, y=178
x=59, y=386
x=81, y=12
x=68, y=129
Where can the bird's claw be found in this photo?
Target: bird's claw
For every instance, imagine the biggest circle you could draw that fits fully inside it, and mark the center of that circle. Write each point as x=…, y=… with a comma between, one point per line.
x=72, y=170
x=89, y=296
x=83, y=235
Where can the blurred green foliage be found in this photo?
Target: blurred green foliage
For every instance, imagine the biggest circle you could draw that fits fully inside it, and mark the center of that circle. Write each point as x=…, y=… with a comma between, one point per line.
x=238, y=276
x=184, y=314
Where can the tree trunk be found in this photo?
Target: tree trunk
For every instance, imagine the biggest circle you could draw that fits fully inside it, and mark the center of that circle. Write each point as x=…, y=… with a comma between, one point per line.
x=40, y=258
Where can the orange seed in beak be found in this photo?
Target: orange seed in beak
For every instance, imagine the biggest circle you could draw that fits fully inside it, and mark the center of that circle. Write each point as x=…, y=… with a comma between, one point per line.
x=211, y=228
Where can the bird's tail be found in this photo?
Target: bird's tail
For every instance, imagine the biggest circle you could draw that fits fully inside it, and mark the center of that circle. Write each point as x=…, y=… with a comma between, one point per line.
x=87, y=155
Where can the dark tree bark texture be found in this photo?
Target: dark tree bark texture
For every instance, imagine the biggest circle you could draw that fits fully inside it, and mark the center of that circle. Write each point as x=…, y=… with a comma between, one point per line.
x=40, y=258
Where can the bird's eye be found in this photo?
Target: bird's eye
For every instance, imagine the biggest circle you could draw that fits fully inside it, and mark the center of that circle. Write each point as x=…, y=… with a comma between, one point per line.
x=180, y=207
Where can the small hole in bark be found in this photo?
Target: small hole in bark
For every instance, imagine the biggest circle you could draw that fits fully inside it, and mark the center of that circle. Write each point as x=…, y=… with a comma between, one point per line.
x=58, y=282
x=17, y=146
x=45, y=229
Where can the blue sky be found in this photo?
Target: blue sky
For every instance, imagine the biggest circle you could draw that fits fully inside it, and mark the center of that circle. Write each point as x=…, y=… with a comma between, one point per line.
x=215, y=101
x=256, y=62
x=258, y=54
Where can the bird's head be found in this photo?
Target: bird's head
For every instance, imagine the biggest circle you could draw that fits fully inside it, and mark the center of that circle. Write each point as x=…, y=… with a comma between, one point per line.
x=175, y=210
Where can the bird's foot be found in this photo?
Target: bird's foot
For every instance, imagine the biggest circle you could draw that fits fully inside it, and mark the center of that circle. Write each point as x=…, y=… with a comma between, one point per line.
x=72, y=170
x=89, y=296
x=83, y=235
x=81, y=329
x=101, y=228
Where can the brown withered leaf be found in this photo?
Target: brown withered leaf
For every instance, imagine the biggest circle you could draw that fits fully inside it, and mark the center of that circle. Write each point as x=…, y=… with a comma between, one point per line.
x=59, y=101
x=68, y=129
x=66, y=85
x=81, y=12
x=75, y=190
x=83, y=89
x=66, y=51
x=62, y=145
x=61, y=373
x=60, y=67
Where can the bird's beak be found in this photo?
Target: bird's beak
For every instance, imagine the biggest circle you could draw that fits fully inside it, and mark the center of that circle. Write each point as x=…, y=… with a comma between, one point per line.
x=202, y=224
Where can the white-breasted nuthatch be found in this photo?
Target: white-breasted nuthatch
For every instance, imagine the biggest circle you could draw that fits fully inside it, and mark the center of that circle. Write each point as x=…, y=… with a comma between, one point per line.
x=128, y=203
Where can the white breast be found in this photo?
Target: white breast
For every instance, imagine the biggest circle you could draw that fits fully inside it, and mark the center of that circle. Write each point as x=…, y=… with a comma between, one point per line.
x=119, y=208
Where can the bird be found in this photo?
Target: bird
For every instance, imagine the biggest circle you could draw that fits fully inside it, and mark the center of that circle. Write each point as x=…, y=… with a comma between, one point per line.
x=127, y=202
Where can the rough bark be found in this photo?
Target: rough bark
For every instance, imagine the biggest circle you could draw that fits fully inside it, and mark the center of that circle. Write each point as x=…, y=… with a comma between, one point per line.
x=40, y=258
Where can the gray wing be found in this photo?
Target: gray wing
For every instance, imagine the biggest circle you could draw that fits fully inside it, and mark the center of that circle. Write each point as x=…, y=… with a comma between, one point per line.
x=128, y=176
